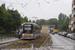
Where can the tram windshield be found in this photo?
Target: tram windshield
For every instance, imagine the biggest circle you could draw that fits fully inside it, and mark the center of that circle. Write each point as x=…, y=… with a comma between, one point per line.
x=27, y=29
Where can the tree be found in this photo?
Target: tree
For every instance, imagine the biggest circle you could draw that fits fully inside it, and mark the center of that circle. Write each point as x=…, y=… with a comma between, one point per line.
x=33, y=21
x=29, y=21
x=63, y=22
x=3, y=6
x=42, y=22
x=6, y=20
x=25, y=19
x=22, y=20
x=16, y=17
x=38, y=22
x=53, y=21
x=10, y=19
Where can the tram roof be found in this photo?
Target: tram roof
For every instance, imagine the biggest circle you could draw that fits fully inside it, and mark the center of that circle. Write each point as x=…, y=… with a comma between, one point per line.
x=31, y=23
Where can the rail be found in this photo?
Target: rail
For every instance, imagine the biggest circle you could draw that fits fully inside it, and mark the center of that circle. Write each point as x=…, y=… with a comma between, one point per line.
x=32, y=44
x=46, y=44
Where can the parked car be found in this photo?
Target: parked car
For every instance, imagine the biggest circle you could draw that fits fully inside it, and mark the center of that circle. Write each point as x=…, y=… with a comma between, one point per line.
x=73, y=36
x=62, y=33
x=69, y=35
x=53, y=33
x=59, y=33
x=65, y=34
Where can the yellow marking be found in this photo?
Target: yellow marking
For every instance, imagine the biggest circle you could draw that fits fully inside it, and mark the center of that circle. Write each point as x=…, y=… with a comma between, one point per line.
x=37, y=30
x=27, y=34
x=27, y=25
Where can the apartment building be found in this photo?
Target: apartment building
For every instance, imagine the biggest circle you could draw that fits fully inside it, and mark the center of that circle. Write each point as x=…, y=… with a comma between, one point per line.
x=72, y=18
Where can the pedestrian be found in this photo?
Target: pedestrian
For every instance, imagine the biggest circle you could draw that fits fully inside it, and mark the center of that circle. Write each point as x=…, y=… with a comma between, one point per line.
x=19, y=34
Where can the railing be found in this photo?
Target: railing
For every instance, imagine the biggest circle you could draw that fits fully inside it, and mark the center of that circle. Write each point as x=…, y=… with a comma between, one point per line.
x=6, y=36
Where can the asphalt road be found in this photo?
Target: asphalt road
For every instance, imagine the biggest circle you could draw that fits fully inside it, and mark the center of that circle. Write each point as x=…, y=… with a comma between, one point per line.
x=62, y=43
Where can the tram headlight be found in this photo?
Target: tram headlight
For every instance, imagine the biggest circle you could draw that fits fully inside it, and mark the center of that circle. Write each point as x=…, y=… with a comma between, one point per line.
x=31, y=34
x=22, y=34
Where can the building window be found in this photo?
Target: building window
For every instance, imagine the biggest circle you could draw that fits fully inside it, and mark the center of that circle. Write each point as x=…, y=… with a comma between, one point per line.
x=72, y=25
x=74, y=7
x=73, y=14
x=71, y=18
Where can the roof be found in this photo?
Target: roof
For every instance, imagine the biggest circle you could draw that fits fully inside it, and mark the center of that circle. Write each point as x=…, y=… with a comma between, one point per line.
x=31, y=23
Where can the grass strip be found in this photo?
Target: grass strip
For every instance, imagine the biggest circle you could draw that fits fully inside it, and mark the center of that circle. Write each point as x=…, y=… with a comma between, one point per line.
x=28, y=42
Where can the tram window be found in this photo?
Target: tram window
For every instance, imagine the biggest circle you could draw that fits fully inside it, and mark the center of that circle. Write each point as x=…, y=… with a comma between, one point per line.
x=27, y=29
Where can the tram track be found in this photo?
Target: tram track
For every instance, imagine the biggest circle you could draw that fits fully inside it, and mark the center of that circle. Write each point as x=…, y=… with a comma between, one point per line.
x=29, y=43
x=45, y=44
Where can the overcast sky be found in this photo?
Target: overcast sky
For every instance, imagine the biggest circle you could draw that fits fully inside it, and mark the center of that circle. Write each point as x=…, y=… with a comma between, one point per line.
x=42, y=9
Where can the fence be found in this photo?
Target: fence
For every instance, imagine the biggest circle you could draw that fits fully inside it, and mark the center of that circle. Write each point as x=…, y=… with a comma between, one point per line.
x=6, y=36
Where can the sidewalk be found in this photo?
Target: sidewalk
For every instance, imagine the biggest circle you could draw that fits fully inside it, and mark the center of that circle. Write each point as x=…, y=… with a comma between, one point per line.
x=9, y=40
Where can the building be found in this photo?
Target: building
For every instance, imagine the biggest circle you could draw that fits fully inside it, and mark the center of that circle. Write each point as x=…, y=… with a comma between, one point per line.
x=72, y=18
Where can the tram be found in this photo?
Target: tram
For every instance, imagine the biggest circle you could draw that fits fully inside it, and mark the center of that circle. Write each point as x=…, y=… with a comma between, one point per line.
x=30, y=31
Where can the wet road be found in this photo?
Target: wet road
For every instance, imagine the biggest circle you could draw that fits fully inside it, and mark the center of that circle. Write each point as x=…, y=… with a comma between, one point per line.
x=62, y=43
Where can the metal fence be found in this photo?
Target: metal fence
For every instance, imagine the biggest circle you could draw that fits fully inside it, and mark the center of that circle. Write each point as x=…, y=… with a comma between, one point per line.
x=6, y=36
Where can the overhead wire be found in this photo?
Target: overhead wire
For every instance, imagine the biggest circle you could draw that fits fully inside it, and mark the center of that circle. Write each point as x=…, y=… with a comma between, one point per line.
x=27, y=3
x=10, y=5
x=56, y=0
x=9, y=2
x=54, y=5
x=23, y=7
x=21, y=4
x=40, y=8
x=17, y=3
x=64, y=3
